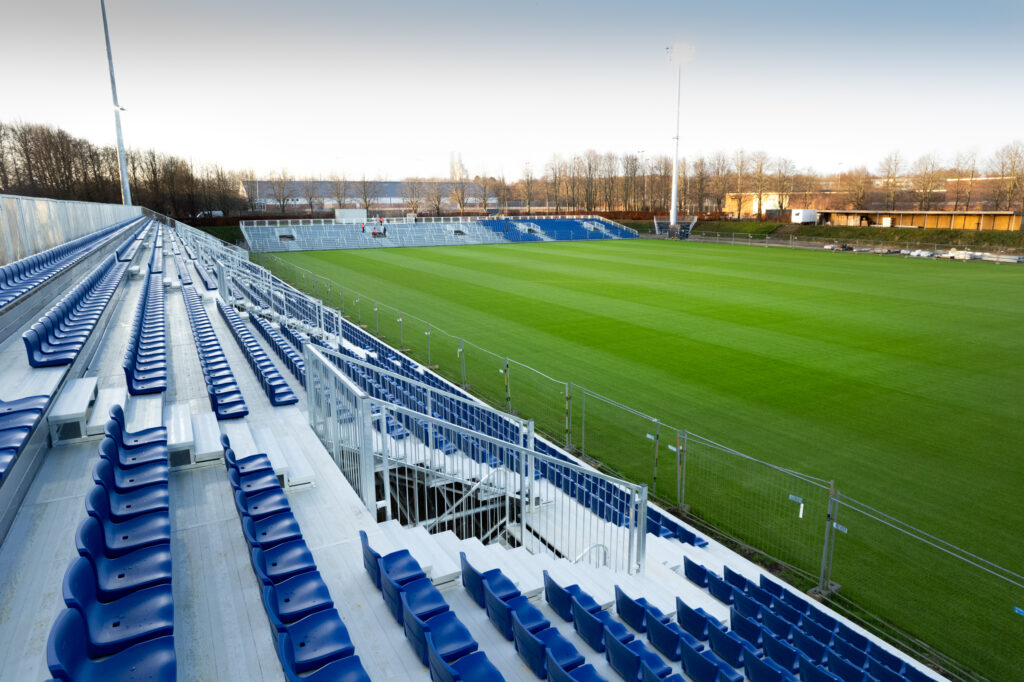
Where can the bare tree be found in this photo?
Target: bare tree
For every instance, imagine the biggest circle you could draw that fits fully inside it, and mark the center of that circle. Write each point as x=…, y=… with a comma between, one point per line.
x=719, y=178
x=858, y=187
x=369, y=191
x=782, y=181
x=927, y=180
x=759, y=177
x=435, y=193
x=1007, y=166
x=311, y=192
x=609, y=179
x=340, y=190
x=281, y=188
x=739, y=164
x=630, y=171
x=965, y=167
x=890, y=170
x=413, y=194
x=483, y=191
x=701, y=173
x=554, y=172
x=528, y=187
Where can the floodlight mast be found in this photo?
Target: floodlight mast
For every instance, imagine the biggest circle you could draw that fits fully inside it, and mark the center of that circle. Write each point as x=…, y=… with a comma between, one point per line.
x=126, y=192
x=673, y=217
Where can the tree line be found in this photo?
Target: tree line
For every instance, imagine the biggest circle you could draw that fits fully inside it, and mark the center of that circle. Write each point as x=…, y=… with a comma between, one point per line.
x=46, y=161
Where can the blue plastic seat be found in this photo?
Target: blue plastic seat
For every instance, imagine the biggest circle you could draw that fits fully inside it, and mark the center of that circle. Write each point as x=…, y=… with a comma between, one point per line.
x=666, y=637
x=784, y=655
x=816, y=631
x=348, y=669
x=422, y=597
x=809, y=672
x=591, y=626
x=766, y=670
x=471, y=668
x=744, y=627
x=153, y=436
x=261, y=505
x=271, y=531
x=705, y=666
x=125, y=480
x=883, y=673
x=649, y=674
x=581, y=673
x=113, y=626
x=245, y=466
x=696, y=573
x=778, y=626
x=533, y=646
x=720, y=589
x=400, y=565
x=295, y=598
x=283, y=561
x=117, y=576
x=251, y=484
x=127, y=459
x=472, y=580
x=625, y=658
x=783, y=610
x=844, y=669
x=315, y=641
x=68, y=659
x=852, y=654
x=560, y=598
x=500, y=611
x=737, y=580
x=746, y=605
x=451, y=637
x=633, y=612
x=128, y=505
x=695, y=621
x=852, y=637
x=809, y=647
x=888, y=659
x=730, y=647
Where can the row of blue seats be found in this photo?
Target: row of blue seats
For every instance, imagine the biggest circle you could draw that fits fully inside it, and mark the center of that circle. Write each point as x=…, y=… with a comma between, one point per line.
x=156, y=258
x=17, y=420
x=22, y=276
x=182, y=267
x=274, y=385
x=312, y=642
x=509, y=231
x=60, y=334
x=225, y=395
x=568, y=229
x=130, y=246
x=145, y=360
x=209, y=281
x=435, y=633
x=796, y=633
x=119, y=620
x=616, y=230
x=541, y=646
x=189, y=252
x=284, y=350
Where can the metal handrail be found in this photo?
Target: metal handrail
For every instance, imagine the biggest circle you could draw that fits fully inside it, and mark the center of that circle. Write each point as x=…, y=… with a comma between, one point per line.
x=588, y=550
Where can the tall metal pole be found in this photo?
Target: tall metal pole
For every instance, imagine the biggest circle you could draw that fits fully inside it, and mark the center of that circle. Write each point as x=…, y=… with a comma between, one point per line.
x=673, y=217
x=126, y=193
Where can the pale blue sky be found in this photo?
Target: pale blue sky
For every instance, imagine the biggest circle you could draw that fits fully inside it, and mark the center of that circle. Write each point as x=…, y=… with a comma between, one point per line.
x=393, y=87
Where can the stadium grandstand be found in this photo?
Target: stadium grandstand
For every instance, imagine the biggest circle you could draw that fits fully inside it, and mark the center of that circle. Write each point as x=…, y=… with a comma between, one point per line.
x=207, y=474
x=317, y=234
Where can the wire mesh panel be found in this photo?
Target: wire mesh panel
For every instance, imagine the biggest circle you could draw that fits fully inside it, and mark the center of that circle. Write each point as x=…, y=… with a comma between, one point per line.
x=445, y=355
x=969, y=610
x=390, y=330
x=777, y=512
x=608, y=429
x=543, y=398
x=485, y=374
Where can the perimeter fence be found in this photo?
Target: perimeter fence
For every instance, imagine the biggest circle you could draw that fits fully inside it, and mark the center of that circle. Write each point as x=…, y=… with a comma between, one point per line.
x=961, y=613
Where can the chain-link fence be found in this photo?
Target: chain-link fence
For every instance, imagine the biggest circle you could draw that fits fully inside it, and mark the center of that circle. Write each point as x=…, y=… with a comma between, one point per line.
x=995, y=253
x=962, y=613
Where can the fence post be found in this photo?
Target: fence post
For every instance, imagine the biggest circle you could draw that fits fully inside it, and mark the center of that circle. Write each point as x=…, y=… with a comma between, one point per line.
x=401, y=338
x=568, y=434
x=508, y=393
x=656, y=439
x=583, y=422
x=824, y=586
x=428, y=345
x=359, y=312
x=462, y=360
x=568, y=400
x=376, y=315
x=681, y=496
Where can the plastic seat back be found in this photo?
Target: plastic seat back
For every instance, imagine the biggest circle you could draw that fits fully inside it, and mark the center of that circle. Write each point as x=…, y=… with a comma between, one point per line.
x=66, y=656
x=664, y=637
x=693, y=621
x=370, y=559
x=696, y=573
x=623, y=658
x=698, y=668
x=719, y=589
x=79, y=586
x=630, y=610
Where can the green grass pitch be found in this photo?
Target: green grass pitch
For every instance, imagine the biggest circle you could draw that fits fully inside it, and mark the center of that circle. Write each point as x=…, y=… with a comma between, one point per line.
x=901, y=380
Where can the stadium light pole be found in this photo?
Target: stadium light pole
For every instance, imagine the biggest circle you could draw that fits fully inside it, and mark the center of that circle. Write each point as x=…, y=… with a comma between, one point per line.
x=126, y=192
x=673, y=216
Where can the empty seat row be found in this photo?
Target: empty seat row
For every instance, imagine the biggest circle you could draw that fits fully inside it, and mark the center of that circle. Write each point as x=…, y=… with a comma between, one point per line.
x=130, y=246
x=284, y=350
x=17, y=420
x=274, y=385
x=209, y=281
x=438, y=637
x=312, y=642
x=22, y=276
x=120, y=609
x=145, y=360
x=225, y=396
x=60, y=334
x=156, y=258
x=794, y=634
x=182, y=267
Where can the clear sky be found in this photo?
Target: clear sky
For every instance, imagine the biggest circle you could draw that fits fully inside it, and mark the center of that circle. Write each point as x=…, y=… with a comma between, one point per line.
x=393, y=87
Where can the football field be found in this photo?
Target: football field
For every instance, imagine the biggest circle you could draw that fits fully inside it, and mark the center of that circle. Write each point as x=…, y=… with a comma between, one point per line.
x=898, y=379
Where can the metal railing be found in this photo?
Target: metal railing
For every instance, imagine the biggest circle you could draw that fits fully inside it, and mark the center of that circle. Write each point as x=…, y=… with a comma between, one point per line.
x=422, y=470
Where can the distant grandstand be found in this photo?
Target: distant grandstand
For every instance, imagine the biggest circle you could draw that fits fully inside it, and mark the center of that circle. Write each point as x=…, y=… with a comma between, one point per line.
x=317, y=235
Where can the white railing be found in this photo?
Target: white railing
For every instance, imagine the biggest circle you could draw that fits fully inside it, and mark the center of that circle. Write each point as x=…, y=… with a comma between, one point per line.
x=433, y=473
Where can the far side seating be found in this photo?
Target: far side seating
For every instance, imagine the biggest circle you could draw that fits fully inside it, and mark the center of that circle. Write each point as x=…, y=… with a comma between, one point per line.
x=17, y=419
